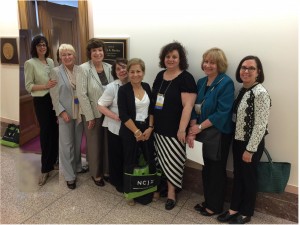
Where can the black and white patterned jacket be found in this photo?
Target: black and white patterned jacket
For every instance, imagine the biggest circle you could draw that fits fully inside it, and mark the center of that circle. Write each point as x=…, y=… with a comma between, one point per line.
x=252, y=116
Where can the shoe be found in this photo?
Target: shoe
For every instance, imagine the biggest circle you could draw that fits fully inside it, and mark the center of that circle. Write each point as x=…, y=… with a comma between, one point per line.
x=131, y=202
x=99, y=182
x=206, y=213
x=43, y=178
x=240, y=220
x=56, y=166
x=170, y=204
x=225, y=216
x=106, y=178
x=71, y=184
x=84, y=169
x=199, y=207
x=119, y=189
x=155, y=196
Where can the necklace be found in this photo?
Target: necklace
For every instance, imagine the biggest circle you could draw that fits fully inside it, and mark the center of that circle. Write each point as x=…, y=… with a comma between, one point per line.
x=166, y=88
x=138, y=91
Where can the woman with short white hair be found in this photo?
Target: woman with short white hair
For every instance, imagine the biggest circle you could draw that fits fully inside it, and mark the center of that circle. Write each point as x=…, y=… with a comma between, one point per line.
x=66, y=105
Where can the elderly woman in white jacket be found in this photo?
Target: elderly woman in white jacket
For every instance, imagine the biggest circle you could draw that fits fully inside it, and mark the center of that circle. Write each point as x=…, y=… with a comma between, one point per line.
x=97, y=74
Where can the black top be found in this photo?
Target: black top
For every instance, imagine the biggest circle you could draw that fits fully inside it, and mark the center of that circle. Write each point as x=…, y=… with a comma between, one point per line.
x=126, y=104
x=167, y=119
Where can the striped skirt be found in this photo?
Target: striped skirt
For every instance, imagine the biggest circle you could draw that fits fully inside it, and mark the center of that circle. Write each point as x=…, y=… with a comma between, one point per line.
x=171, y=158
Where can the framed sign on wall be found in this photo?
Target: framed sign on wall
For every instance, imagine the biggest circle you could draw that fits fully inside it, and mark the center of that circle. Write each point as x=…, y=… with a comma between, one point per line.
x=115, y=48
x=9, y=51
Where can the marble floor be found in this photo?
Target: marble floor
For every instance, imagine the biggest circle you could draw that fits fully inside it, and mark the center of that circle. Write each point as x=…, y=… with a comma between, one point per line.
x=23, y=201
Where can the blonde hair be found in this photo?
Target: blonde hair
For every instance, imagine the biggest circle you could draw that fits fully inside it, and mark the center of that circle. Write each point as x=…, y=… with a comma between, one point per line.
x=217, y=55
x=136, y=61
x=67, y=47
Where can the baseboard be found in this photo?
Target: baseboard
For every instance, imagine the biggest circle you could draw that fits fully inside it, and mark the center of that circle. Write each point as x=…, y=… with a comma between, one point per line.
x=8, y=121
x=289, y=188
x=284, y=205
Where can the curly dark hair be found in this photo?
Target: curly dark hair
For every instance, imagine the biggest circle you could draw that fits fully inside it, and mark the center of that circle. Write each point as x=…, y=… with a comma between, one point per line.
x=113, y=68
x=94, y=43
x=260, y=78
x=35, y=41
x=183, y=63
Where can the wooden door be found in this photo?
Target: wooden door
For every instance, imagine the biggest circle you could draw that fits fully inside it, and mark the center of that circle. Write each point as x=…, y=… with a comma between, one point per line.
x=60, y=24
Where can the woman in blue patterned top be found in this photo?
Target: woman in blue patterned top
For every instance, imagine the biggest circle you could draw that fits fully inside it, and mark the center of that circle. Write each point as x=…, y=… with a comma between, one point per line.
x=250, y=114
x=217, y=91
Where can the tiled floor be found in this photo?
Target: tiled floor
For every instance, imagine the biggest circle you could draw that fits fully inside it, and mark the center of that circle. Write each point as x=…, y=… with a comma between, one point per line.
x=23, y=201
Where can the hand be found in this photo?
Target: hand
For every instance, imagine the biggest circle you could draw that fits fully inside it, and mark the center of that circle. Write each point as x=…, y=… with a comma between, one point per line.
x=193, y=130
x=247, y=157
x=91, y=124
x=65, y=116
x=116, y=117
x=190, y=140
x=139, y=136
x=147, y=133
x=181, y=136
x=51, y=84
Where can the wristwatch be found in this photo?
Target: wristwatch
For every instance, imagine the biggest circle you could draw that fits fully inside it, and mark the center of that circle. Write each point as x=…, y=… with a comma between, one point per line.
x=200, y=127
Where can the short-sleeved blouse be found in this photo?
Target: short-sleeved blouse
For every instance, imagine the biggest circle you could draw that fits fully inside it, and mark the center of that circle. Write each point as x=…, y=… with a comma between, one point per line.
x=167, y=119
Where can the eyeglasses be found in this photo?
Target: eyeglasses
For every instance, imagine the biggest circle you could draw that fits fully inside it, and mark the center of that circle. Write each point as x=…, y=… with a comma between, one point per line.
x=250, y=69
x=41, y=45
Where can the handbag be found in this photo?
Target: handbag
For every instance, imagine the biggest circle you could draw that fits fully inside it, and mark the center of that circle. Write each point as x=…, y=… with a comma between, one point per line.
x=211, y=138
x=11, y=136
x=141, y=182
x=272, y=176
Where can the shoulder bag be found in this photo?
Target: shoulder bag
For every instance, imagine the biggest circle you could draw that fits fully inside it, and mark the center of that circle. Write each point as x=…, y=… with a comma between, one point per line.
x=272, y=176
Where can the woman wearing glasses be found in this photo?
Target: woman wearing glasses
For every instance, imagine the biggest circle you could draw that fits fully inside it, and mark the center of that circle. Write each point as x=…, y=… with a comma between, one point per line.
x=250, y=114
x=91, y=85
x=108, y=105
x=38, y=83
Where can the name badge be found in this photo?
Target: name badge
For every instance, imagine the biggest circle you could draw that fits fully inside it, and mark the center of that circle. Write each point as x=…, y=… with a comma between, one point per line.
x=198, y=108
x=76, y=101
x=234, y=117
x=159, y=101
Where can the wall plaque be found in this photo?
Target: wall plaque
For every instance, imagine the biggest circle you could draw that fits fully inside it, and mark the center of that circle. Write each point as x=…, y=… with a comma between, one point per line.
x=9, y=51
x=116, y=48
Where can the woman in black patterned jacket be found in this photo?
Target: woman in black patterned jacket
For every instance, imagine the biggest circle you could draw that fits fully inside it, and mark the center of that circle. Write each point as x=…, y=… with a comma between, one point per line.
x=250, y=114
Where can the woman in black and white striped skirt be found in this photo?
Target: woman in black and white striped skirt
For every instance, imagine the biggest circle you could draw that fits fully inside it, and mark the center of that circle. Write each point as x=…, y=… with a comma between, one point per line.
x=174, y=92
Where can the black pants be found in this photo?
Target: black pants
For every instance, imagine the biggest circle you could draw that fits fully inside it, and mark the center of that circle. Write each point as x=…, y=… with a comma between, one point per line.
x=115, y=160
x=214, y=178
x=132, y=148
x=48, y=131
x=245, y=178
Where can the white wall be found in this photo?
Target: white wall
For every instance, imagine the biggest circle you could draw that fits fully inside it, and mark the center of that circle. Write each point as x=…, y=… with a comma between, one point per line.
x=269, y=30
x=9, y=74
x=266, y=29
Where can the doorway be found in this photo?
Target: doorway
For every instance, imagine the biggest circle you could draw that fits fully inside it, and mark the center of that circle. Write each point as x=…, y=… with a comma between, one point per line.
x=59, y=24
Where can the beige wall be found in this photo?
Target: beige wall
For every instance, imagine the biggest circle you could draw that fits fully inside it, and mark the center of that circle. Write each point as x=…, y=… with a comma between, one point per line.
x=269, y=31
x=9, y=74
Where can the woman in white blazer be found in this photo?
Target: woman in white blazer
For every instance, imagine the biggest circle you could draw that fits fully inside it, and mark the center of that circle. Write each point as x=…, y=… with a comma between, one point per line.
x=97, y=74
x=66, y=105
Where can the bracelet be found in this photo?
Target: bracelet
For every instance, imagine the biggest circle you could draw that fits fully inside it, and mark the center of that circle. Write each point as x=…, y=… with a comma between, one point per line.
x=183, y=131
x=136, y=131
x=139, y=135
x=151, y=127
